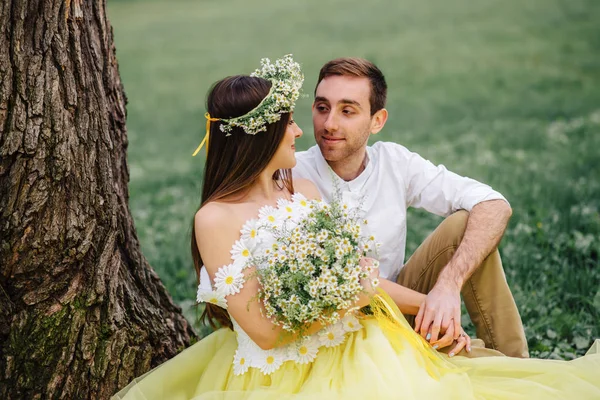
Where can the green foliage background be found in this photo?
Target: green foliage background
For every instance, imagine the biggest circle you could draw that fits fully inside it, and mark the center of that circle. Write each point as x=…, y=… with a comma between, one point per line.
x=506, y=92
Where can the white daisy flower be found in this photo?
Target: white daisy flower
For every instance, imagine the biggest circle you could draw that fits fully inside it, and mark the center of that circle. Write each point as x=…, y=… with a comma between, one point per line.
x=240, y=254
x=302, y=207
x=269, y=216
x=305, y=351
x=351, y=323
x=281, y=203
x=300, y=199
x=265, y=240
x=250, y=233
x=241, y=363
x=211, y=296
x=323, y=206
x=287, y=214
x=332, y=335
x=229, y=280
x=270, y=362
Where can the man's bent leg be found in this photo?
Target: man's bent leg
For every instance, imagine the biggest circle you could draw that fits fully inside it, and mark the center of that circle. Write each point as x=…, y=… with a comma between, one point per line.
x=492, y=308
x=486, y=294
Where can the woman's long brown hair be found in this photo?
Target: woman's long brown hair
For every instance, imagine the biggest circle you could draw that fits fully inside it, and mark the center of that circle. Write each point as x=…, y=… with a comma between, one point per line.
x=234, y=162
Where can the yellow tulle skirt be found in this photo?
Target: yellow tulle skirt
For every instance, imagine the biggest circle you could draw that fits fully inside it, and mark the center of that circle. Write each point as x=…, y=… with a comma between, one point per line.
x=385, y=360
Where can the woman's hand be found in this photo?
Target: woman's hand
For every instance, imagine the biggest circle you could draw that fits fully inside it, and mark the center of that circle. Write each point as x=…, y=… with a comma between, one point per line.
x=368, y=264
x=463, y=341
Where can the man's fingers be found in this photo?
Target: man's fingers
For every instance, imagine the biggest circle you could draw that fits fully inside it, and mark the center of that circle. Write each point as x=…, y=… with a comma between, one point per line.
x=426, y=323
x=446, y=322
x=457, y=329
x=435, y=328
x=419, y=318
x=447, y=339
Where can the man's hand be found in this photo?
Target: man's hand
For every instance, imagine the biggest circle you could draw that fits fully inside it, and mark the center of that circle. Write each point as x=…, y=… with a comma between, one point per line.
x=463, y=341
x=441, y=308
x=438, y=312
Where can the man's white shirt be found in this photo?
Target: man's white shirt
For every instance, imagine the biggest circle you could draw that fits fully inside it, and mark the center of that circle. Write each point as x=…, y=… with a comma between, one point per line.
x=393, y=180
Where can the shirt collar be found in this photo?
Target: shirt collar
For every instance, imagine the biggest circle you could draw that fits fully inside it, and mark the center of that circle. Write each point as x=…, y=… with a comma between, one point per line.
x=354, y=185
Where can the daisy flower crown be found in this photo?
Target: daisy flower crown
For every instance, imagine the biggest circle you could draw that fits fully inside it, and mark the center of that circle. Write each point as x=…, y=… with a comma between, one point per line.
x=286, y=81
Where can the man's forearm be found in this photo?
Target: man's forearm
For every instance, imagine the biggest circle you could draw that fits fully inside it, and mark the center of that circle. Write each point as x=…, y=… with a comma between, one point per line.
x=407, y=300
x=485, y=227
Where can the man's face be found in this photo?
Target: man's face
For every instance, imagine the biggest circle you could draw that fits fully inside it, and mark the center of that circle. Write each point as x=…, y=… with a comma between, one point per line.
x=342, y=116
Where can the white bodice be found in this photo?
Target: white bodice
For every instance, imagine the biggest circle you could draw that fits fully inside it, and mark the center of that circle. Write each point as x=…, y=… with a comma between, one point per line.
x=256, y=240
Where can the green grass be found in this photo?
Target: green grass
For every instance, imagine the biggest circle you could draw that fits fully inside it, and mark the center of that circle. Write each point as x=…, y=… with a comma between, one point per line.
x=506, y=92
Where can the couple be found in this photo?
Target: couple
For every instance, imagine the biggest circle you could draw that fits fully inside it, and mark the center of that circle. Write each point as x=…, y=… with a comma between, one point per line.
x=248, y=174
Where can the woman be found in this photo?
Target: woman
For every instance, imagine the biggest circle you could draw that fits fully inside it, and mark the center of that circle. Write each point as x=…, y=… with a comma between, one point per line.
x=251, y=151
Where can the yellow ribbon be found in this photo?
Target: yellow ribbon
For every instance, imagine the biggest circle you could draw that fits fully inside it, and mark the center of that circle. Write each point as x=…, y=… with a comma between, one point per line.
x=209, y=119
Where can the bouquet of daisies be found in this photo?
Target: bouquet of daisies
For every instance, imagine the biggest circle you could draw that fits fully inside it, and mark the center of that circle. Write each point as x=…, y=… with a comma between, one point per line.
x=309, y=268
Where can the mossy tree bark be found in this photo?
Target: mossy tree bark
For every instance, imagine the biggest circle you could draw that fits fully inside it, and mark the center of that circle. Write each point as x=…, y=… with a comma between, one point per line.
x=81, y=311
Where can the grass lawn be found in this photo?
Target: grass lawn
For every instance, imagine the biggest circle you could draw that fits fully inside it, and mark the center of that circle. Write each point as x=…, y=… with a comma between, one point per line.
x=506, y=92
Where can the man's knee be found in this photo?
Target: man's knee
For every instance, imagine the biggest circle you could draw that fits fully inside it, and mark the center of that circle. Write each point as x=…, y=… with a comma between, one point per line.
x=454, y=226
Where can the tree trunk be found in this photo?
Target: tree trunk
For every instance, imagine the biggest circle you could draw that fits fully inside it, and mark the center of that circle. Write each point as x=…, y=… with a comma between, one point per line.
x=81, y=311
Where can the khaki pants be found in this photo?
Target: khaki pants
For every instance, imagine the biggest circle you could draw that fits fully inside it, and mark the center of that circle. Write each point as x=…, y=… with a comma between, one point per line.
x=486, y=294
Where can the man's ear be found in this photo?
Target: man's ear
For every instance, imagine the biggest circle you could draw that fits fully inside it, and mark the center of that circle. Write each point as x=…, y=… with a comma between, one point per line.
x=378, y=121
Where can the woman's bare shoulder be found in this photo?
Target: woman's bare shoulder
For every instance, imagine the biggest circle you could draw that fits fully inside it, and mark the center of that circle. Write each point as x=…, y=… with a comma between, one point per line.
x=213, y=215
x=217, y=227
x=307, y=188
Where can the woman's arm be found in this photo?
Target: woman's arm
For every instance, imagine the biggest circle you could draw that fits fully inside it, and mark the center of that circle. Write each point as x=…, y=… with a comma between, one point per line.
x=407, y=300
x=251, y=315
x=216, y=231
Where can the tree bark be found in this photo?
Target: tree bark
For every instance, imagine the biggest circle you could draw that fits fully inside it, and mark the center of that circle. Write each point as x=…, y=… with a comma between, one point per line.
x=81, y=311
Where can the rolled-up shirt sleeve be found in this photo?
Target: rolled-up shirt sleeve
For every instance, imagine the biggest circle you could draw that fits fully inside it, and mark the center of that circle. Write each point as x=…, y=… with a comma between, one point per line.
x=440, y=191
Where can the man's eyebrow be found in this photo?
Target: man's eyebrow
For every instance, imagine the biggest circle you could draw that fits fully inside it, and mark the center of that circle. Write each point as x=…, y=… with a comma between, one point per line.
x=350, y=102
x=342, y=101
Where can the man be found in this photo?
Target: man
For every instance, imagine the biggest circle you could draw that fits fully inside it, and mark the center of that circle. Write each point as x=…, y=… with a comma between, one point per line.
x=459, y=257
